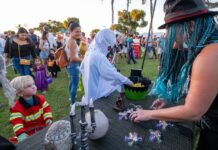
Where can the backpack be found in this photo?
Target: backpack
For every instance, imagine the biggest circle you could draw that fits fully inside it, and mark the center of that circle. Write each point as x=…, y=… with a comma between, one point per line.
x=61, y=57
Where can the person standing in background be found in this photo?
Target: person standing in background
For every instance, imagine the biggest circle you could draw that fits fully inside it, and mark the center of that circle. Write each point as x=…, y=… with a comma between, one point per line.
x=161, y=44
x=59, y=40
x=51, y=37
x=21, y=49
x=35, y=40
x=75, y=60
x=44, y=46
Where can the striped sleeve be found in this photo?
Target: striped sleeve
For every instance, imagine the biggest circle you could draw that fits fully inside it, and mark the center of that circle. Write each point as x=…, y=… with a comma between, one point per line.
x=46, y=110
x=16, y=119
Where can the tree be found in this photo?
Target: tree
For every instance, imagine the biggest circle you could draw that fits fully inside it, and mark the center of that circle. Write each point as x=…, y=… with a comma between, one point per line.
x=54, y=26
x=94, y=32
x=151, y=13
x=19, y=26
x=132, y=20
x=119, y=28
x=66, y=22
x=127, y=9
x=127, y=6
x=112, y=11
x=112, y=8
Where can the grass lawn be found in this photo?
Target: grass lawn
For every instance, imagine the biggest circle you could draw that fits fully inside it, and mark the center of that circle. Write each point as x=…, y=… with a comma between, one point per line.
x=57, y=96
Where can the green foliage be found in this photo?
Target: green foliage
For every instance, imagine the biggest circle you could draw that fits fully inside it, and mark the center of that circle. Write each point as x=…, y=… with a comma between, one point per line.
x=94, y=32
x=54, y=26
x=66, y=22
x=19, y=26
x=119, y=28
x=132, y=20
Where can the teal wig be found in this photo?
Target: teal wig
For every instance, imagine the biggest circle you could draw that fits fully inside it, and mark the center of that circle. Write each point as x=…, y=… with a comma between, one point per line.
x=190, y=37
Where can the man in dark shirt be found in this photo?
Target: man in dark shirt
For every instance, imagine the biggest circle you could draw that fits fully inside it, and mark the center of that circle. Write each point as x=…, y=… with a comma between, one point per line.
x=35, y=40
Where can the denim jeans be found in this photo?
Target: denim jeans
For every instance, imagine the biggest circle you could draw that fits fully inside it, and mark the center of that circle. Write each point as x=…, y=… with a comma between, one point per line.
x=73, y=71
x=131, y=56
x=44, y=54
x=21, y=69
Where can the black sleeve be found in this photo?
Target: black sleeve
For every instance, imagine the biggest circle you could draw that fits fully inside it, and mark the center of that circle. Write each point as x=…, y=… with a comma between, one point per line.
x=32, y=50
x=6, y=50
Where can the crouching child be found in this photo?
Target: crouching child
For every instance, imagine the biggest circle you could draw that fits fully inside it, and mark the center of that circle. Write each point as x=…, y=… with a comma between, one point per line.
x=30, y=112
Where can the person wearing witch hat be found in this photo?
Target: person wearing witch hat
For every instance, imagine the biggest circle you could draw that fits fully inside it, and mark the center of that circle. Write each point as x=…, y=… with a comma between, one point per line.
x=188, y=70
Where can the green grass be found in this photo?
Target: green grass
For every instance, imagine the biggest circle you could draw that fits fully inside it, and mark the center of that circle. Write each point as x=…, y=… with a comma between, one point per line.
x=57, y=96
x=150, y=67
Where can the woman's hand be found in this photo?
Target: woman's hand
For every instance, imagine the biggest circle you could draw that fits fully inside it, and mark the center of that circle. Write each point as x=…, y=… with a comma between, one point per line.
x=48, y=74
x=158, y=104
x=140, y=115
x=7, y=60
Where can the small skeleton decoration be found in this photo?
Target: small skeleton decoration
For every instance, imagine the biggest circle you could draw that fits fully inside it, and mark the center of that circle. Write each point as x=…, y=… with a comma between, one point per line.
x=125, y=114
x=133, y=138
x=155, y=135
x=163, y=125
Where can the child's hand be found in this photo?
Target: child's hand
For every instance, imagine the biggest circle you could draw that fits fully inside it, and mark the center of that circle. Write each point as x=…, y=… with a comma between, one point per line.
x=22, y=137
x=48, y=74
x=48, y=122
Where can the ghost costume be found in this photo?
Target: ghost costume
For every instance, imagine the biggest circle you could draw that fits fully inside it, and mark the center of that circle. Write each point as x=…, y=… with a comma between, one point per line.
x=9, y=91
x=100, y=78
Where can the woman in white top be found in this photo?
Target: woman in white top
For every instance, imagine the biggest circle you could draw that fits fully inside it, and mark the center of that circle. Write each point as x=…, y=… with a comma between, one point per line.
x=75, y=59
x=44, y=46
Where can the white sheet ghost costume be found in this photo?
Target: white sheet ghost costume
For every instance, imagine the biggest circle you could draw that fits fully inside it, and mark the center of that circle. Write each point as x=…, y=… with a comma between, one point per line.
x=100, y=78
x=9, y=91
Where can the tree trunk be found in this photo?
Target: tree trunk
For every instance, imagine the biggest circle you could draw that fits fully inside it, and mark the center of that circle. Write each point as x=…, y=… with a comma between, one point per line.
x=127, y=6
x=127, y=11
x=151, y=11
x=112, y=11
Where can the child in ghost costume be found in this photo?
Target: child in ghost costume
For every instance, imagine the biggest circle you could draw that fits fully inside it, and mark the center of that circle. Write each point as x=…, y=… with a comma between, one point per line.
x=100, y=78
x=9, y=91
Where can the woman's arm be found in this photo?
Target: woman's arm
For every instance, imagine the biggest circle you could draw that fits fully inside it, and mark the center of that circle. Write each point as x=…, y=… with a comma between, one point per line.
x=41, y=44
x=72, y=46
x=202, y=92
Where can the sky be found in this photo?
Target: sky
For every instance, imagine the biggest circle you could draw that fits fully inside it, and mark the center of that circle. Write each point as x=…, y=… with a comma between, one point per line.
x=92, y=13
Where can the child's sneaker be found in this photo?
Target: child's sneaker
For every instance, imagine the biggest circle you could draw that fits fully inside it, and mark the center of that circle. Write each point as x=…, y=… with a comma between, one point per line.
x=13, y=139
x=44, y=92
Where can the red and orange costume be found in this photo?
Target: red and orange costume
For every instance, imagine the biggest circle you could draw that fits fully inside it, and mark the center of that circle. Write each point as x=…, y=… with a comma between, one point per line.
x=29, y=119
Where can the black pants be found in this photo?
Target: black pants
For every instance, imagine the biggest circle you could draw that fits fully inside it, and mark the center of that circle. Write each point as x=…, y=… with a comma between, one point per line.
x=208, y=140
x=131, y=57
x=154, y=52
